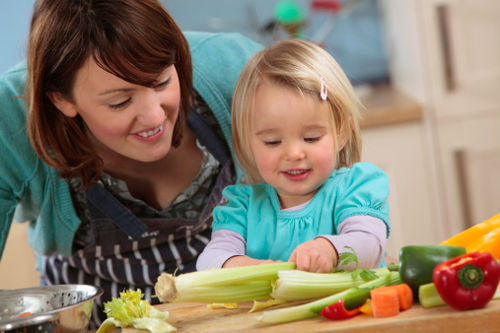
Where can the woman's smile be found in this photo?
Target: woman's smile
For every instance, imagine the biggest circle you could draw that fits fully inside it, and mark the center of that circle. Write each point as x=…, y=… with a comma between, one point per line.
x=151, y=134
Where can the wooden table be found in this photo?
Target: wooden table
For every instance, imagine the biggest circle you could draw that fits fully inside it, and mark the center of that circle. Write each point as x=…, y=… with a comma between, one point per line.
x=195, y=317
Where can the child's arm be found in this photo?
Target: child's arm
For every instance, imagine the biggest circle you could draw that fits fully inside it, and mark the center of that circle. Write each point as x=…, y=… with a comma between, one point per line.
x=223, y=245
x=361, y=213
x=243, y=260
x=363, y=233
x=226, y=249
x=366, y=235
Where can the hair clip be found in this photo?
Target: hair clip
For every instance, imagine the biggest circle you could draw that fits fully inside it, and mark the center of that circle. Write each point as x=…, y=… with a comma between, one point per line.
x=323, y=92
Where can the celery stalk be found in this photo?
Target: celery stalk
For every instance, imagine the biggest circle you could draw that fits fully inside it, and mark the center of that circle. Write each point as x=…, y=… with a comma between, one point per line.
x=130, y=310
x=428, y=296
x=293, y=285
x=313, y=309
x=235, y=284
x=241, y=292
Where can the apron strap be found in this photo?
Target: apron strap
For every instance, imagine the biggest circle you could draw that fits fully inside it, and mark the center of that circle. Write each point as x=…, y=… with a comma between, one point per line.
x=207, y=137
x=107, y=204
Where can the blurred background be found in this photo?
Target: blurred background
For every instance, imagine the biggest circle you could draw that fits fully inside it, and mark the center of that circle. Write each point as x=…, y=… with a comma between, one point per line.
x=351, y=30
x=427, y=71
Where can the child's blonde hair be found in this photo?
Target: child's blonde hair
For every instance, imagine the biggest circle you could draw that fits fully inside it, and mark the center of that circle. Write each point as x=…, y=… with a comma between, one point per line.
x=299, y=65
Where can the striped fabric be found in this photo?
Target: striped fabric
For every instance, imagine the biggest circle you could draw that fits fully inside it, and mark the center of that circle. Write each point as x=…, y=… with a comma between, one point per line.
x=115, y=261
x=138, y=268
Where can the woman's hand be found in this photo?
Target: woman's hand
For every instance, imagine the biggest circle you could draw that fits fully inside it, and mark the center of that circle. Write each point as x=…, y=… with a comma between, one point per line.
x=246, y=261
x=317, y=256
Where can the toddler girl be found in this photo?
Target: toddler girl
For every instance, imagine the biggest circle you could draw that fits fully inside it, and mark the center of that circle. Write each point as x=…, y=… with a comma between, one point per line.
x=309, y=198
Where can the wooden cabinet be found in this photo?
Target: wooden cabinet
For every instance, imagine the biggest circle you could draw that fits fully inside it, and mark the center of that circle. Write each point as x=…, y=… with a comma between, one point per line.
x=446, y=54
x=462, y=43
x=394, y=139
x=400, y=151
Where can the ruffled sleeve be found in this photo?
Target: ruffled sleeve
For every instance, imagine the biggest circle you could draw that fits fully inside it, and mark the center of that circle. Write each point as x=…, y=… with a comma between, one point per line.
x=363, y=189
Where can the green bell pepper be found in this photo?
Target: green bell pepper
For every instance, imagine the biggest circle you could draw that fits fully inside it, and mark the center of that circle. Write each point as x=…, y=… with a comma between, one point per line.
x=418, y=262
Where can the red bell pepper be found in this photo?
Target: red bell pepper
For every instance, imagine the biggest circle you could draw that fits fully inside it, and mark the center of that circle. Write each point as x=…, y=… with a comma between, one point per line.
x=468, y=281
x=338, y=311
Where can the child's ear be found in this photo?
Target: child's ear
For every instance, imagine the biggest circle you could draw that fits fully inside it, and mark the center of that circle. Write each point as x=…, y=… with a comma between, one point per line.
x=64, y=105
x=342, y=142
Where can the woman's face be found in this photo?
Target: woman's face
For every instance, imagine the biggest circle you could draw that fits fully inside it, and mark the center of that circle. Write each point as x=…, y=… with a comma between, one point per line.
x=125, y=119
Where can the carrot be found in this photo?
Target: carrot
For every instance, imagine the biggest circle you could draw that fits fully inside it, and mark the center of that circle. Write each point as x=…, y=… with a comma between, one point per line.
x=389, y=300
x=385, y=302
x=405, y=295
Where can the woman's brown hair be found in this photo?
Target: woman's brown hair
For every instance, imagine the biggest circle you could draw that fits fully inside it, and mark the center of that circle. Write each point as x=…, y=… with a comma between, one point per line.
x=134, y=40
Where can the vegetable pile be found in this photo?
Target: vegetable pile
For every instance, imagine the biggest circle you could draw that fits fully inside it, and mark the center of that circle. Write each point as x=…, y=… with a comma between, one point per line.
x=462, y=272
x=352, y=297
x=418, y=262
x=279, y=282
x=470, y=280
x=130, y=310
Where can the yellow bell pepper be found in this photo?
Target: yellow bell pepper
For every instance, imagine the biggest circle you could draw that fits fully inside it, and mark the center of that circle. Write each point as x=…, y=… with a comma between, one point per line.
x=489, y=242
x=466, y=237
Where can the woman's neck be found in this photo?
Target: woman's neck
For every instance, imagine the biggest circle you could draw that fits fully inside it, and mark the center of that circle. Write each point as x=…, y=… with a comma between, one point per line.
x=158, y=183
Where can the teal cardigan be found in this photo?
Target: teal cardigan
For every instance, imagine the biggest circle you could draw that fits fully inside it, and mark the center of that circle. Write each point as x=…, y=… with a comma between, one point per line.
x=32, y=191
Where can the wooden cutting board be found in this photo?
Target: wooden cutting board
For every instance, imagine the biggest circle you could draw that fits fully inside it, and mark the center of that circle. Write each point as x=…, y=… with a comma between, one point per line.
x=195, y=317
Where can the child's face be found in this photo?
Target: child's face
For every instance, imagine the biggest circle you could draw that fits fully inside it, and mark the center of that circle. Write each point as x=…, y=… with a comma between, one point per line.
x=291, y=138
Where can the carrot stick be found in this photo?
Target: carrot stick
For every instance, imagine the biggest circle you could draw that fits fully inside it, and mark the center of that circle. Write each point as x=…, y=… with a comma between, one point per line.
x=405, y=295
x=385, y=302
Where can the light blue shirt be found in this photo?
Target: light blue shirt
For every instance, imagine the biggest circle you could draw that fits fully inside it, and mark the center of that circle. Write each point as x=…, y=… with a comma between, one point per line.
x=254, y=211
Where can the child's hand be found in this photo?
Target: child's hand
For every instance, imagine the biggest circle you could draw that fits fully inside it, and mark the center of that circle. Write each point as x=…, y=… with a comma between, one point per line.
x=317, y=256
x=246, y=261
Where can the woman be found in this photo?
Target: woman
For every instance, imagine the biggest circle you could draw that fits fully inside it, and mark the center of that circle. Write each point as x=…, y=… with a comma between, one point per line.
x=125, y=147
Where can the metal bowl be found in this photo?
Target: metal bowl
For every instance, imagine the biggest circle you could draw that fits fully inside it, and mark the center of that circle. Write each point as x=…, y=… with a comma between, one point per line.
x=58, y=308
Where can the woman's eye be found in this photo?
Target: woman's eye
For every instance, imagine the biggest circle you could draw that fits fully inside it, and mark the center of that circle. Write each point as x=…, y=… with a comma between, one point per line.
x=163, y=84
x=312, y=139
x=121, y=104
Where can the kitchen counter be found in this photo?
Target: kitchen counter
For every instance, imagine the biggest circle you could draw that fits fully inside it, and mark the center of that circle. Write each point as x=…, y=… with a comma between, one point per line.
x=385, y=105
x=195, y=317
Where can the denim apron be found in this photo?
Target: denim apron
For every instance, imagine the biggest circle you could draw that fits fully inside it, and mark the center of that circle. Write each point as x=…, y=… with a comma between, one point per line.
x=131, y=252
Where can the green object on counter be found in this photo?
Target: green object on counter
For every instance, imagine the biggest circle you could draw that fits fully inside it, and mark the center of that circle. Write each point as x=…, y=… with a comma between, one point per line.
x=428, y=296
x=418, y=261
x=288, y=12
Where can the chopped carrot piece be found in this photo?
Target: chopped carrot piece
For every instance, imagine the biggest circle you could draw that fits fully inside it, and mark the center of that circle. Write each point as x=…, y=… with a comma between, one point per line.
x=405, y=296
x=24, y=314
x=385, y=302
